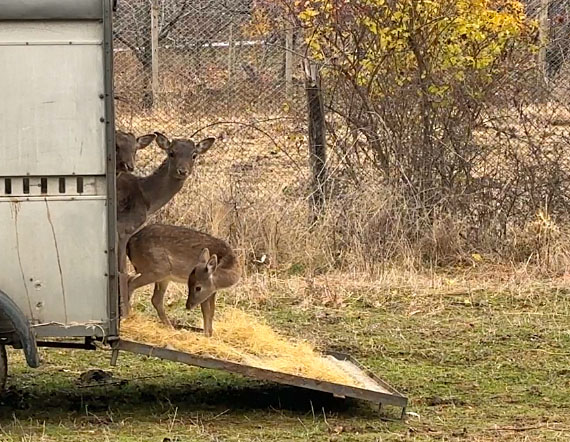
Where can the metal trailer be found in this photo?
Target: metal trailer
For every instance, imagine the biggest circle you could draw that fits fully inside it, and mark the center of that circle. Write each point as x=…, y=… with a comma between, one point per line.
x=58, y=277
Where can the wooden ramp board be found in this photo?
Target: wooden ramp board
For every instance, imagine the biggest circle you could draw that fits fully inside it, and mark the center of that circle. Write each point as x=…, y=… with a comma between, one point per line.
x=373, y=388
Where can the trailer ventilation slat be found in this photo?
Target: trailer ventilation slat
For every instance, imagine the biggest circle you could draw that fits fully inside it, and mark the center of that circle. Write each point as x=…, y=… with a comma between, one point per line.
x=34, y=186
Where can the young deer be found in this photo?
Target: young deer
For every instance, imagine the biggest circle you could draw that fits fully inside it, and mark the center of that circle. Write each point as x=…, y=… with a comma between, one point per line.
x=139, y=197
x=126, y=147
x=162, y=253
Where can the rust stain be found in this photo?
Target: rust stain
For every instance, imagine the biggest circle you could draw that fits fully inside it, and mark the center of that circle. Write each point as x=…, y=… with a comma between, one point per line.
x=58, y=260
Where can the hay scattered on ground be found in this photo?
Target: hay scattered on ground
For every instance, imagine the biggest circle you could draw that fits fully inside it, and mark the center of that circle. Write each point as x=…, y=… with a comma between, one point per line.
x=239, y=337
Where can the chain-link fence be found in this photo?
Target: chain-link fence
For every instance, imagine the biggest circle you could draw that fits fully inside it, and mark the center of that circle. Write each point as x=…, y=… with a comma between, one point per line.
x=233, y=69
x=218, y=72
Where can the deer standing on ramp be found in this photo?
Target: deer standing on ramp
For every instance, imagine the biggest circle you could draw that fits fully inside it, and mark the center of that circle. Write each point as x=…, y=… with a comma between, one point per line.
x=139, y=197
x=162, y=253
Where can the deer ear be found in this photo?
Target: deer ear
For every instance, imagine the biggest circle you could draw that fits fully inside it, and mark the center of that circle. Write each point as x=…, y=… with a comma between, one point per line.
x=162, y=141
x=204, y=256
x=145, y=140
x=212, y=264
x=192, y=274
x=205, y=144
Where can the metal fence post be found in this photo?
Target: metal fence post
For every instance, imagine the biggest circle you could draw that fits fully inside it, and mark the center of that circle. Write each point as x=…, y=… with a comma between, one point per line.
x=154, y=17
x=543, y=37
x=317, y=137
x=289, y=63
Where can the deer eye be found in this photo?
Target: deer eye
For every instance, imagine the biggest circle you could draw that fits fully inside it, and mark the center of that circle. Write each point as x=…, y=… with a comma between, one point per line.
x=194, y=155
x=171, y=154
x=197, y=289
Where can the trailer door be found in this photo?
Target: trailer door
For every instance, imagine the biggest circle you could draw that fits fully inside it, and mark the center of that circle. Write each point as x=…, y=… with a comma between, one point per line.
x=57, y=164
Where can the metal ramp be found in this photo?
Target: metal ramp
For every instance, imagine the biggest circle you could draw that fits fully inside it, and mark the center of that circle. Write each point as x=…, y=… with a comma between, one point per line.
x=374, y=389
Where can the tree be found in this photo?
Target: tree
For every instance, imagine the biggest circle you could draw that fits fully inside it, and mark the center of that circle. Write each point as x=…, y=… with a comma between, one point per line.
x=411, y=77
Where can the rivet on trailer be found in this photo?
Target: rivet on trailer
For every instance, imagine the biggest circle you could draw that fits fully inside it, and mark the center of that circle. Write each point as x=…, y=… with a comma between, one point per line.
x=58, y=285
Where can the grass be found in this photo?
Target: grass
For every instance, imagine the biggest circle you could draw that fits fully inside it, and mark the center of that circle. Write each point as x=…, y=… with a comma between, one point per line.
x=483, y=364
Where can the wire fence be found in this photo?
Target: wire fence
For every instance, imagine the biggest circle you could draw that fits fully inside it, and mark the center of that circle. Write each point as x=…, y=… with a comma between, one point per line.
x=198, y=68
x=216, y=74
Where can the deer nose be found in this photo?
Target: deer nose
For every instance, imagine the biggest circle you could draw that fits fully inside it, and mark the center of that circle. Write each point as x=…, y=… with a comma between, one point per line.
x=182, y=172
x=129, y=167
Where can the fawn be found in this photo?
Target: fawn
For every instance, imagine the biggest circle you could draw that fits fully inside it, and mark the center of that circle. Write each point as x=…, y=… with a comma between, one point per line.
x=163, y=253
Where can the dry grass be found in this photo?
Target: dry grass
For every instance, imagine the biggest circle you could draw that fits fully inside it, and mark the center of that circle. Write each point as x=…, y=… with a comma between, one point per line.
x=240, y=337
x=251, y=189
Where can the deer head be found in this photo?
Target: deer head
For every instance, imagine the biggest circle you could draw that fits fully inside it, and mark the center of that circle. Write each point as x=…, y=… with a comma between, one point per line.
x=201, y=283
x=126, y=147
x=182, y=154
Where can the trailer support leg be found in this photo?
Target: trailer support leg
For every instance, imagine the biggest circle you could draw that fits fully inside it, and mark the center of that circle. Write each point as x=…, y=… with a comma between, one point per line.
x=114, y=357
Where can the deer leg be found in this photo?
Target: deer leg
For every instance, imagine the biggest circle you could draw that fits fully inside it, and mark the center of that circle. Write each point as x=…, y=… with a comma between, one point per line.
x=208, y=307
x=205, y=307
x=158, y=301
x=130, y=280
x=141, y=280
x=123, y=294
x=212, y=301
x=123, y=277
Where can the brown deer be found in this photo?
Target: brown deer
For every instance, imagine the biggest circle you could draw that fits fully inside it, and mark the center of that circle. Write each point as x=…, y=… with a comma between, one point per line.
x=139, y=197
x=126, y=147
x=162, y=253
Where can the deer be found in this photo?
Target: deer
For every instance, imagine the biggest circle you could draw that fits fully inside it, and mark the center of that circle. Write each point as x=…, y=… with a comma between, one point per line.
x=163, y=253
x=126, y=148
x=140, y=197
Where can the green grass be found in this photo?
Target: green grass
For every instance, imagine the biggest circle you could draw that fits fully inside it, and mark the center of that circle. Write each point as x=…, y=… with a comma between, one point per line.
x=476, y=366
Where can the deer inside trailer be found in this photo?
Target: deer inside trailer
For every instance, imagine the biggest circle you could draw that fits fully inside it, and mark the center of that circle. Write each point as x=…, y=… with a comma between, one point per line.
x=57, y=196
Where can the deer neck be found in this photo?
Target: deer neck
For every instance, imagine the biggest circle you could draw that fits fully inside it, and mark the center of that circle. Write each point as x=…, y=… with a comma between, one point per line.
x=227, y=273
x=160, y=187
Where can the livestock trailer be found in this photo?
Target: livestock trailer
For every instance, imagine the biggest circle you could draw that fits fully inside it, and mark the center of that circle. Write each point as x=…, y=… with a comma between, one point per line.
x=58, y=262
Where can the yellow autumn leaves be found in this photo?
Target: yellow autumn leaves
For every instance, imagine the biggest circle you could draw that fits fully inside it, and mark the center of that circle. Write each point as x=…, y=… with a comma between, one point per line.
x=440, y=42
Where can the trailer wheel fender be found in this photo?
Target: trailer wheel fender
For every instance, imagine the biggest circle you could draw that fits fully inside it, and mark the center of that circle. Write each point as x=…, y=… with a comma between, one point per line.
x=12, y=312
